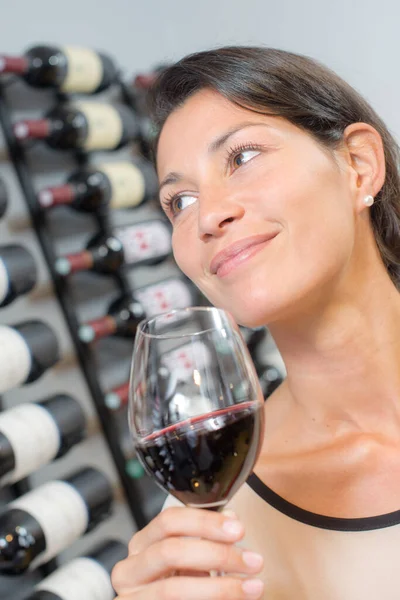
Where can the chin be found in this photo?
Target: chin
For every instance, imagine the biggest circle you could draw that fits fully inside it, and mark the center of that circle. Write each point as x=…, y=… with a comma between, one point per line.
x=249, y=310
x=262, y=305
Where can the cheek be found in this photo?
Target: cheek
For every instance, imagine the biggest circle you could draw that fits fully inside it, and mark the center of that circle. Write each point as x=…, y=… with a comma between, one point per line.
x=185, y=253
x=313, y=204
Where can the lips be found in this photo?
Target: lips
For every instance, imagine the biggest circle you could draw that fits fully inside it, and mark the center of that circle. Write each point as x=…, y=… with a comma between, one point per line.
x=237, y=247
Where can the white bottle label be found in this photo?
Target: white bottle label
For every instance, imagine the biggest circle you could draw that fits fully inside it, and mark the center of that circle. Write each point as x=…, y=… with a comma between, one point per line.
x=84, y=70
x=181, y=361
x=144, y=240
x=164, y=296
x=104, y=125
x=61, y=513
x=80, y=579
x=4, y=281
x=127, y=184
x=34, y=437
x=15, y=359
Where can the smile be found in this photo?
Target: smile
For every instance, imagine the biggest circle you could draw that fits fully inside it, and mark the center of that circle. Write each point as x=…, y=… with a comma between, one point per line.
x=226, y=261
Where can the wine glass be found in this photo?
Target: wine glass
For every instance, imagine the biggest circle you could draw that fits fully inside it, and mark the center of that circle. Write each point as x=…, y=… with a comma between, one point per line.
x=195, y=405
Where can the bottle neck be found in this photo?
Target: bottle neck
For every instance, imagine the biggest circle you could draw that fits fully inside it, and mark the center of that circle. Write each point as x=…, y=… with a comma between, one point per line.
x=118, y=397
x=38, y=129
x=13, y=64
x=104, y=254
x=122, y=320
x=54, y=196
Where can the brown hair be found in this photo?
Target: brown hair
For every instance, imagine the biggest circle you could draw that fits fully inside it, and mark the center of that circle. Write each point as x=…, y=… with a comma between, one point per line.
x=300, y=89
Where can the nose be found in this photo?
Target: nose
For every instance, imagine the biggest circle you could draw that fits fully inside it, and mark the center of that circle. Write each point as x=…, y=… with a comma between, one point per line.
x=217, y=211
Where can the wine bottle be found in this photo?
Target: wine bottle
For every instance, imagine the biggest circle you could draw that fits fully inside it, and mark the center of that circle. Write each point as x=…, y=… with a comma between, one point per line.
x=84, y=578
x=18, y=273
x=3, y=198
x=27, y=350
x=144, y=243
x=126, y=312
x=82, y=126
x=118, y=397
x=254, y=337
x=110, y=185
x=179, y=362
x=42, y=523
x=270, y=378
x=134, y=468
x=69, y=69
x=33, y=434
x=144, y=81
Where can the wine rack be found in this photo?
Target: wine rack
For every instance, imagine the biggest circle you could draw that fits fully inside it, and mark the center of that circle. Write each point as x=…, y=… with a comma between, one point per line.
x=85, y=372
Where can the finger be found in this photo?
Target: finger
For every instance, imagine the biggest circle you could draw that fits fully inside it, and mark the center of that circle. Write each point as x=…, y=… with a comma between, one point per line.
x=189, y=588
x=183, y=554
x=191, y=522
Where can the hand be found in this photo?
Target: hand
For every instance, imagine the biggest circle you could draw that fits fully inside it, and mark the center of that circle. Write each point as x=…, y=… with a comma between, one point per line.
x=168, y=561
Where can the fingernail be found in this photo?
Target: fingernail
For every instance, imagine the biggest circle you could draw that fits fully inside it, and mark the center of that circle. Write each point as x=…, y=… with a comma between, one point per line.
x=230, y=514
x=232, y=528
x=252, y=559
x=253, y=588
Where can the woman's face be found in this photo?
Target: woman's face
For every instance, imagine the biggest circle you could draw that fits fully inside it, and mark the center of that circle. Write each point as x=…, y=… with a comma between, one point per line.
x=263, y=185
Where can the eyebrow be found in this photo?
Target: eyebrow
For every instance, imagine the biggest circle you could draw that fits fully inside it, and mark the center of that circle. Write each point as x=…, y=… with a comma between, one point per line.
x=214, y=146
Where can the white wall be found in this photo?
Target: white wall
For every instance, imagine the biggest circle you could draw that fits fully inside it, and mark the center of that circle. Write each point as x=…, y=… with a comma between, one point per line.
x=358, y=39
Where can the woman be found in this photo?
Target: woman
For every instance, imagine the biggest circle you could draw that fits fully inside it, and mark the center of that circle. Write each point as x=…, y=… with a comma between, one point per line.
x=274, y=160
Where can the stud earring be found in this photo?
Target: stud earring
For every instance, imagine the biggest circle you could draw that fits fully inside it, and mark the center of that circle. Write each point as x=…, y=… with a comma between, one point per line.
x=368, y=200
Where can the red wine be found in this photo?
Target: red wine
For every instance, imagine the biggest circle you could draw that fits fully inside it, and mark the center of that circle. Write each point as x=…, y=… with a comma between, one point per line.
x=3, y=198
x=125, y=313
x=84, y=578
x=69, y=69
x=18, y=273
x=44, y=522
x=204, y=460
x=144, y=243
x=111, y=185
x=27, y=350
x=33, y=434
x=83, y=126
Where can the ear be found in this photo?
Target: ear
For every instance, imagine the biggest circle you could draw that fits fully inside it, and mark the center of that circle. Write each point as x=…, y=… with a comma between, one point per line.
x=366, y=158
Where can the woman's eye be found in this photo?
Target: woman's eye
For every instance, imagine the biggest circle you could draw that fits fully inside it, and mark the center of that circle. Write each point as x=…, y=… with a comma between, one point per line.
x=243, y=157
x=177, y=204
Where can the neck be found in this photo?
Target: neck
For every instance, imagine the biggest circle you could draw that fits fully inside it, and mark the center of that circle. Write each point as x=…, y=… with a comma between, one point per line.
x=343, y=361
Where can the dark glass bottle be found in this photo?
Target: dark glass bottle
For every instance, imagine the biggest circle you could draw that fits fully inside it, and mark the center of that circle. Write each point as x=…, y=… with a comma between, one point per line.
x=33, y=434
x=42, y=523
x=84, y=577
x=96, y=189
x=27, y=350
x=144, y=81
x=3, y=198
x=126, y=312
x=270, y=378
x=124, y=315
x=144, y=243
x=18, y=273
x=118, y=397
x=85, y=126
x=68, y=69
